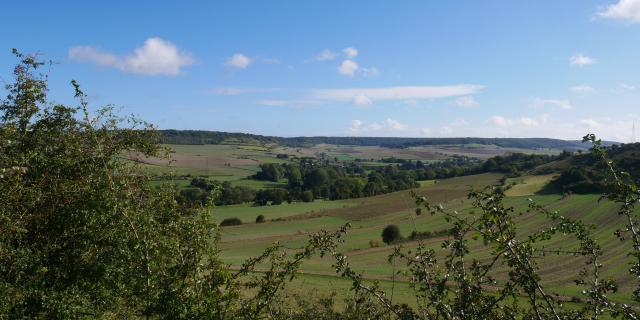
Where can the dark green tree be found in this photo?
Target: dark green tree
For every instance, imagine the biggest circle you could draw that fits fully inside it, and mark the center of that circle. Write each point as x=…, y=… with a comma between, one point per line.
x=391, y=234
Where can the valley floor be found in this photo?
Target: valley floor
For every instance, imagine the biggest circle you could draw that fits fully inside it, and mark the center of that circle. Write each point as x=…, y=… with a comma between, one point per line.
x=291, y=225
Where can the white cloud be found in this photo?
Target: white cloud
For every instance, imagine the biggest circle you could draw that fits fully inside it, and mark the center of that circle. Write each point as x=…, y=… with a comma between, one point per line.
x=274, y=102
x=348, y=68
x=396, y=125
x=623, y=10
x=530, y=122
x=627, y=87
x=361, y=101
x=500, y=121
x=230, y=91
x=388, y=125
x=370, y=71
x=350, y=52
x=288, y=103
x=155, y=57
x=582, y=89
x=466, y=101
x=91, y=54
x=326, y=55
x=581, y=60
x=590, y=123
x=239, y=61
x=563, y=104
x=356, y=126
x=395, y=93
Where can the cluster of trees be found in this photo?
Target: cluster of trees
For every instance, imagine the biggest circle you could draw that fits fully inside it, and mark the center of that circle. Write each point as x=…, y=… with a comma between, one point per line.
x=275, y=196
x=311, y=179
x=210, y=137
x=583, y=173
x=201, y=191
x=515, y=163
x=453, y=167
x=308, y=180
x=270, y=172
x=391, y=234
x=511, y=164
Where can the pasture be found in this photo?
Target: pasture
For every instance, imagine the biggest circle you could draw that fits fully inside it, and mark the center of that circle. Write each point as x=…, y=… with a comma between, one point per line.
x=368, y=216
x=237, y=162
x=291, y=224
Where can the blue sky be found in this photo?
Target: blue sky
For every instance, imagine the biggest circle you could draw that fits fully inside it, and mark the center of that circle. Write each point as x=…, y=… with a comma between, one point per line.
x=362, y=68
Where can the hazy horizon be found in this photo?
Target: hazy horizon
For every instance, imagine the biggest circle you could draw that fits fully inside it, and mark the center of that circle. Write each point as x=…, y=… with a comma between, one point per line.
x=364, y=136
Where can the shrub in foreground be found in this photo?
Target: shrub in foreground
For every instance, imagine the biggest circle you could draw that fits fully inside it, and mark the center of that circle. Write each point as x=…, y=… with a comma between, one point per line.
x=84, y=234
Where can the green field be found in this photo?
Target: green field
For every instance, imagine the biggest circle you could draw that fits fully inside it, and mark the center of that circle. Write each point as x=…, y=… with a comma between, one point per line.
x=236, y=162
x=368, y=216
x=291, y=224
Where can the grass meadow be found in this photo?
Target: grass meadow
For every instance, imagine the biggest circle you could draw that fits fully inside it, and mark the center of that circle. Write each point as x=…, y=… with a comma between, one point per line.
x=291, y=224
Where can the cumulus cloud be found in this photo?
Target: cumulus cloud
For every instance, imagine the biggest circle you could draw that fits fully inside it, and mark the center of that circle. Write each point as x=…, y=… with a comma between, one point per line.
x=396, y=125
x=466, y=101
x=356, y=126
x=563, y=104
x=622, y=10
x=581, y=60
x=395, y=93
x=348, y=68
x=155, y=57
x=238, y=61
x=582, y=89
x=501, y=121
x=388, y=125
x=350, y=52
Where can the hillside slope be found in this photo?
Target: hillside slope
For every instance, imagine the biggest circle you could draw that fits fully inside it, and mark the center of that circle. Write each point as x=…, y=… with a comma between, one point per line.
x=216, y=137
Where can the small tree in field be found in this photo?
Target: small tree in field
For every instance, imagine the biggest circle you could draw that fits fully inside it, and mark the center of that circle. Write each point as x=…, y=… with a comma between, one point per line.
x=230, y=222
x=391, y=234
x=260, y=219
x=307, y=196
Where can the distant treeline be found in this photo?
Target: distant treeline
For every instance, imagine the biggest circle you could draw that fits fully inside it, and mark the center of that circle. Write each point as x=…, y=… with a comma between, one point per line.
x=306, y=181
x=511, y=165
x=216, y=137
